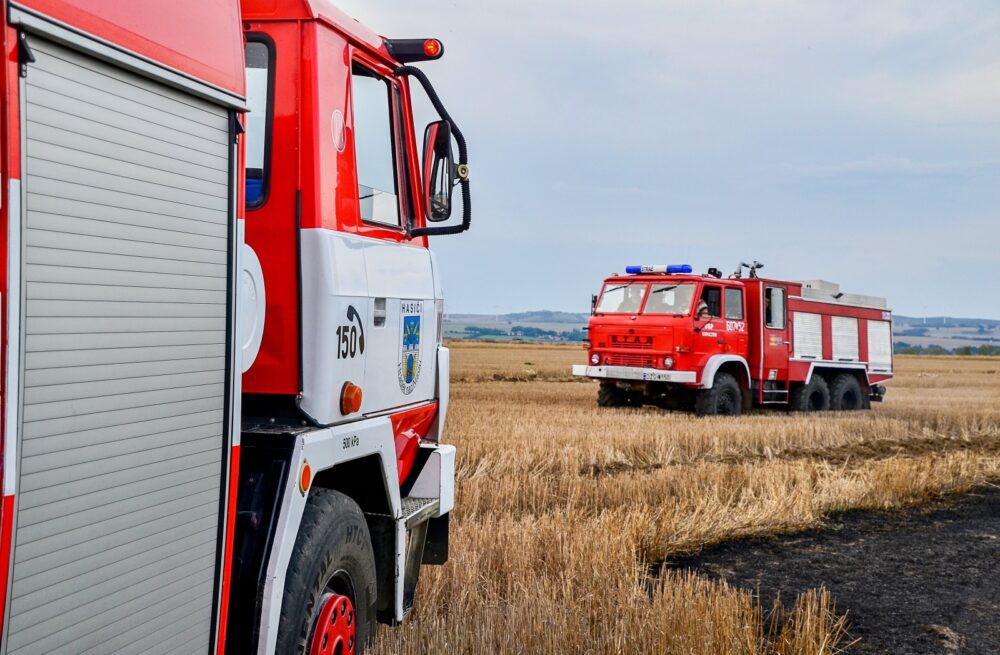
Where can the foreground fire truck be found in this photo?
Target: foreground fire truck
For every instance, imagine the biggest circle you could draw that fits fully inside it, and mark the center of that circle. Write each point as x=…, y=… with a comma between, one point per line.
x=661, y=335
x=217, y=218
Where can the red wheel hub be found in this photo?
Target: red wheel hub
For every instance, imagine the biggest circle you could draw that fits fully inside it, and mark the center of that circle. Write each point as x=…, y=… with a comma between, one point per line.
x=336, y=629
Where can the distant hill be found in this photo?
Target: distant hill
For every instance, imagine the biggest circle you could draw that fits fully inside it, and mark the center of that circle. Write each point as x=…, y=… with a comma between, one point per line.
x=541, y=325
x=945, y=321
x=540, y=316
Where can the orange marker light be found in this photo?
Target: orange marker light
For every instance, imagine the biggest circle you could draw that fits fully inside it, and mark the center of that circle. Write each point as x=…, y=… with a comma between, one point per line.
x=432, y=47
x=350, y=398
x=305, y=478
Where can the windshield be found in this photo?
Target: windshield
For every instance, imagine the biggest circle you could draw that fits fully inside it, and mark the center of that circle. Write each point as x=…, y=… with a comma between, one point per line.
x=619, y=298
x=669, y=299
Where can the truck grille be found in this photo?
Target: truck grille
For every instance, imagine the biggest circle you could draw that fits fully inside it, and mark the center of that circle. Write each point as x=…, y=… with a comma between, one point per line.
x=634, y=346
x=639, y=360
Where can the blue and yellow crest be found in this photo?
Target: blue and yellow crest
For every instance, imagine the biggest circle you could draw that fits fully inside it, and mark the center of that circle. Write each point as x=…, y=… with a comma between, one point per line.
x=409, y=346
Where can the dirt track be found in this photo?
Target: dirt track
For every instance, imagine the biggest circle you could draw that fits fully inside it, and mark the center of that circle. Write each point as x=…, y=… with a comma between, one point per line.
x=923, y=580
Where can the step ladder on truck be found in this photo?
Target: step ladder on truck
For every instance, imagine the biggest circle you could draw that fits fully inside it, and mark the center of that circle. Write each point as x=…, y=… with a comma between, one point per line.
x=224, y=388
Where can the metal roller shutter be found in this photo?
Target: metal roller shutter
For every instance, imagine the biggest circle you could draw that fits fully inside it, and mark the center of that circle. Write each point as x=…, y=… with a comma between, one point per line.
x=844, y=332
x=807, y=335
x=880, y=346
x=125, y=270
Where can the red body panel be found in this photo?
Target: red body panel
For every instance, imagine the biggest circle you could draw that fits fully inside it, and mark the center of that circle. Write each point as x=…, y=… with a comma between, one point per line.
x=271, y=229
x=409, y=427
x=201, y=39
x=322, y=10
x=11, y=162
x=234, y=485
x=6, y=536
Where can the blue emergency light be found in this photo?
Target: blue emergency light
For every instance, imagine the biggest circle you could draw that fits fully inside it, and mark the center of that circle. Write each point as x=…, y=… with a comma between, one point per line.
x=670, y=269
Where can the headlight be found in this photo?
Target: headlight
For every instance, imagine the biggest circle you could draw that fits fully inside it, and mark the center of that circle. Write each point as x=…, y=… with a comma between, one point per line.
x=668, y=362
x=595, y=359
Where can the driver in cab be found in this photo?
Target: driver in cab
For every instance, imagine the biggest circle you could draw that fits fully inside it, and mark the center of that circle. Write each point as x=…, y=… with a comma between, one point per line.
x=632, y=300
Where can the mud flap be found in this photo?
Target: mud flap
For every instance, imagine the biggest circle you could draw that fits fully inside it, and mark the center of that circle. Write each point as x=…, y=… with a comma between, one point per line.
x=436, y=548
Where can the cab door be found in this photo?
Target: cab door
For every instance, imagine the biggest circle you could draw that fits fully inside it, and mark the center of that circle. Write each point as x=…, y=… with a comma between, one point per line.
x=401, y=359
x=776, y=342
x=369, y=294
x=709, y=326
x=734, y=325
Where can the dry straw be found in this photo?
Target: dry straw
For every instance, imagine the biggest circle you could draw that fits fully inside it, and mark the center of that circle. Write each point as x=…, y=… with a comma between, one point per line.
x=564, y=509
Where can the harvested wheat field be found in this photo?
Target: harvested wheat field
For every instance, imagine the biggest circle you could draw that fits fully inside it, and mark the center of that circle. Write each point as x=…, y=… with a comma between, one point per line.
x=564, y=509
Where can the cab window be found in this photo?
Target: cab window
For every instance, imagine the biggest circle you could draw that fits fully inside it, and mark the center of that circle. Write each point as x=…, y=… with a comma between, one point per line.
x=774, y=308
x=710, y=303
x=619, y=298
x=260, y=83
x=734, y=304
x=669, y=299
x=375, y=147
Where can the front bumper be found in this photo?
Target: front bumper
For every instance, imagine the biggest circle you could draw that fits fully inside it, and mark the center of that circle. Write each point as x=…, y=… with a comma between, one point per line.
x=634, y=373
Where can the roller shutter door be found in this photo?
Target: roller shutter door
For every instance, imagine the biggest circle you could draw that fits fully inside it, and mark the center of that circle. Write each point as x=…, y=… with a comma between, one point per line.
x=125, y=271
x=880, y=346
x=844, y=331
x=807, y=335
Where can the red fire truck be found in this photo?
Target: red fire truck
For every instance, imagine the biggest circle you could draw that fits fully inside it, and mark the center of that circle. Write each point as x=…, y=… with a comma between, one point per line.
x=662, y=335
x=223, y=386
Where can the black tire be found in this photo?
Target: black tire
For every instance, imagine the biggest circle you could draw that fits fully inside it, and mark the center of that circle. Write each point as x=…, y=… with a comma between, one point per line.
x=723, y=399
x=812, y=397
x=846, y=394
x=333, y=552
x=609, y=395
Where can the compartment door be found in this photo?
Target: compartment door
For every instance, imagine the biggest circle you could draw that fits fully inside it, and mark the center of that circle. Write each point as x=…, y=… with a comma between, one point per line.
x=125, y=330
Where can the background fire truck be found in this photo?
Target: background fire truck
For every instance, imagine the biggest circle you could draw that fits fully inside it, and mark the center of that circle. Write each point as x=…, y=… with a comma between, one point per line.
x=176, y=268
x=661, y=335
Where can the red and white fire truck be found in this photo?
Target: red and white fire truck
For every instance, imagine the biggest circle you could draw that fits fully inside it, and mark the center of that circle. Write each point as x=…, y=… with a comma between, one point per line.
x=223, y=386
x=661, y=335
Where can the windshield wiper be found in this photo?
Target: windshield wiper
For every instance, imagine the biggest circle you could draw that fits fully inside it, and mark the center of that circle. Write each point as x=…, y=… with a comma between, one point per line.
x=620, y=286
x=665, y=289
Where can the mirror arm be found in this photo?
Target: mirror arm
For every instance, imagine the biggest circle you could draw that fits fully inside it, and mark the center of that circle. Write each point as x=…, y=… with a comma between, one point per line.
x=463, y=158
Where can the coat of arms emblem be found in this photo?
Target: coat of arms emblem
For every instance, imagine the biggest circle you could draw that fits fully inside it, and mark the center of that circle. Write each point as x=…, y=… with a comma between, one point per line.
x=409, y=344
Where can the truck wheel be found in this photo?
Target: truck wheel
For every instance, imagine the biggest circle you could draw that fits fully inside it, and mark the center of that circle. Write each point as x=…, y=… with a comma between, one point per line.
x=845, y=393
x=723, y=399
x=609, y=395
x=330, y=594
x=812, y=397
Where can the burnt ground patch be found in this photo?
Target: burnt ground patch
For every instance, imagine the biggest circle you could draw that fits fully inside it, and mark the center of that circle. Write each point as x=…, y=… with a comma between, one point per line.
x=920, y=580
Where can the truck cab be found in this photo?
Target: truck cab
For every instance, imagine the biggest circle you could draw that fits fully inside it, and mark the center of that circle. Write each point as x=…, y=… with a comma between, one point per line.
x=345, y=377
x=663, y=331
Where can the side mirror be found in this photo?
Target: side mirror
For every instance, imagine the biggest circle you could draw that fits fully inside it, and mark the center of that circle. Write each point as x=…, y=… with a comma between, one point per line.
x=439, y=171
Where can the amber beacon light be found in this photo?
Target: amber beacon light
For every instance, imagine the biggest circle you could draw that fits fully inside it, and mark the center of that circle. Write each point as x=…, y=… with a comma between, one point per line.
x=432, y=48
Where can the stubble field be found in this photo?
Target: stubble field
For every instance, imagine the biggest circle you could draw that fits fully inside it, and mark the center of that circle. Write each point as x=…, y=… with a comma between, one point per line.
x=564, y=510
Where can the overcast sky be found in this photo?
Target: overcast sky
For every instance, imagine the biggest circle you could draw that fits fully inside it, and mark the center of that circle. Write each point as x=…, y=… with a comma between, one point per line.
x=857, y=142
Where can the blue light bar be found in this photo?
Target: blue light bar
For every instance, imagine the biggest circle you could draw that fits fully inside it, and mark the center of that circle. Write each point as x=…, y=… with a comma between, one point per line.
x=671, y=269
